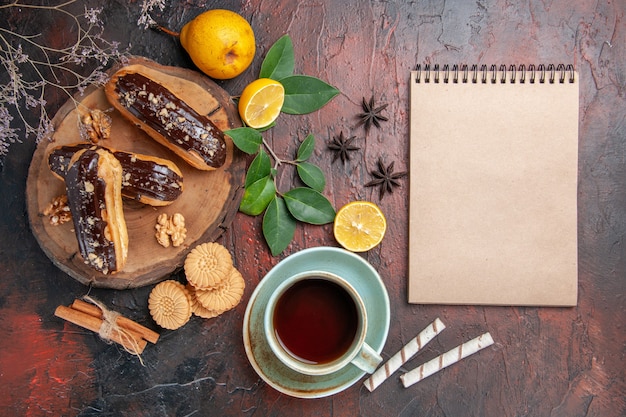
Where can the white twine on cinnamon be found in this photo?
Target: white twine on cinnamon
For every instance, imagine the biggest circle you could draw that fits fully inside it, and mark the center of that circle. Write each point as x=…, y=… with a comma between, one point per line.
x=109, y=326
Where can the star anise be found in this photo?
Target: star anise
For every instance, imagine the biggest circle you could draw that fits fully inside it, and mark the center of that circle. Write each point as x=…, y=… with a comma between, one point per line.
x=385, y=178
x=371, y=114
x=342, y=147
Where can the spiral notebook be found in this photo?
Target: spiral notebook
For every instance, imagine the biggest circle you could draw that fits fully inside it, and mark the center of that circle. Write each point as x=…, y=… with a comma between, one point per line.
x=493, y=185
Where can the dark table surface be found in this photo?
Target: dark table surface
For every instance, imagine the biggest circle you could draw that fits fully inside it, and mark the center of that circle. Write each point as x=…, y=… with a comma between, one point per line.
x=545, y=361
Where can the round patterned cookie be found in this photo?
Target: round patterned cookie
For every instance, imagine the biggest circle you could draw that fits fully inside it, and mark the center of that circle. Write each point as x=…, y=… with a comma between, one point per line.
x=226, y=295
x=197, y=308
x=170, y=304
x=207, y=265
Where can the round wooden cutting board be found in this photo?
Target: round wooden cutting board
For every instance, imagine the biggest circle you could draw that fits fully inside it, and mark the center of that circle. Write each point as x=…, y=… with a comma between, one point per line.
x=209, y=201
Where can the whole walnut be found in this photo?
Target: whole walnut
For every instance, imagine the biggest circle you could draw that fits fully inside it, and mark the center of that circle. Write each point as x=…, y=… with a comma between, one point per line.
x=170, y=230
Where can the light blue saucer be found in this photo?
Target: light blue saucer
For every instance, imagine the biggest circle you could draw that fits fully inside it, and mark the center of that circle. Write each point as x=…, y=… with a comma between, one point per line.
x=365, y=280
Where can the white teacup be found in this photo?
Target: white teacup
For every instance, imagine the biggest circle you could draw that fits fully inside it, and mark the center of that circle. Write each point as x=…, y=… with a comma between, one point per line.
x=316, y=323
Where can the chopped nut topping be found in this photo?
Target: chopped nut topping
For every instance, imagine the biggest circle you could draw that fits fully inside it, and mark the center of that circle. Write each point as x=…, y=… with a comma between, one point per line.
x=58, y=211
x=170, y=230
x=89, y=187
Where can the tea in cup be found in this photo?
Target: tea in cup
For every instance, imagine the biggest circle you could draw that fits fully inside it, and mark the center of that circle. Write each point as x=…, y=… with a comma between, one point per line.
x=316, y=323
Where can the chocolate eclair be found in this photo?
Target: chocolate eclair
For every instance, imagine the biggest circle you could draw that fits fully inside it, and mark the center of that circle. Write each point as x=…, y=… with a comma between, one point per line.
x=93, y=182
x=167, y=118
x=145, y=178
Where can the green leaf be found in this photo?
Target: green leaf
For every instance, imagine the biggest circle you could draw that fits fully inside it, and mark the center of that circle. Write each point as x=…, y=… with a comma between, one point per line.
x=305, y=94
x=257, y=196
x=312, y=176
x=306, y=149
x=309, y=206
x=279, y=226
x=279, y=61
x=260, y=167
x=246, y=139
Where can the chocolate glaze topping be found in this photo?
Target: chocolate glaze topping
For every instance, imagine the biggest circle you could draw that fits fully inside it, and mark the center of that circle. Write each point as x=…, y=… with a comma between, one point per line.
x=148, y=179
x=171, y=117
x=60, y=157
x=85, y=195
x=141, y=178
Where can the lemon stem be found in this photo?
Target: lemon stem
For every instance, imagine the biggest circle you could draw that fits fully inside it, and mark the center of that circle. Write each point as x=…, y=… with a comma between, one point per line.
x=277, y=163
x=165, y=30
x=278, y=160
x=274, y=156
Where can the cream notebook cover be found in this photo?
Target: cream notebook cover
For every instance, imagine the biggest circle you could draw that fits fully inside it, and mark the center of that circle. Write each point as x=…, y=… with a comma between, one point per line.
x=493, y=186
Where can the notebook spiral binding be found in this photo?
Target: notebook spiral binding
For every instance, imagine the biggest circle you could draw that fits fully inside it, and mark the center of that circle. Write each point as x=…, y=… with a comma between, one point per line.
x=495, y=74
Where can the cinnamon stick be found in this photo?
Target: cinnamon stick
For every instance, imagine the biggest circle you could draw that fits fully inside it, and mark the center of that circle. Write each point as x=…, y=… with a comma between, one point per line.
x=125, y=323
x=94, y=324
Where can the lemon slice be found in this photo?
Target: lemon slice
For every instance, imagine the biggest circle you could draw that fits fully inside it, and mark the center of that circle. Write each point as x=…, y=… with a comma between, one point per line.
x=359, y=226
x=260, y=102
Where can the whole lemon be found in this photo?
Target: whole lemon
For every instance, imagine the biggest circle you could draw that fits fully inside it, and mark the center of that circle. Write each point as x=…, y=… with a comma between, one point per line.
x=220, y=42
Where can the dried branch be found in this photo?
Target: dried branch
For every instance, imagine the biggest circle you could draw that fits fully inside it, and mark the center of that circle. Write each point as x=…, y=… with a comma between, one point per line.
x=34, y=67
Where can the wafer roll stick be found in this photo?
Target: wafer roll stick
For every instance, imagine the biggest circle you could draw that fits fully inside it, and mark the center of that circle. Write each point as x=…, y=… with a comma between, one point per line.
x=450, y=357
x=405, y=354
